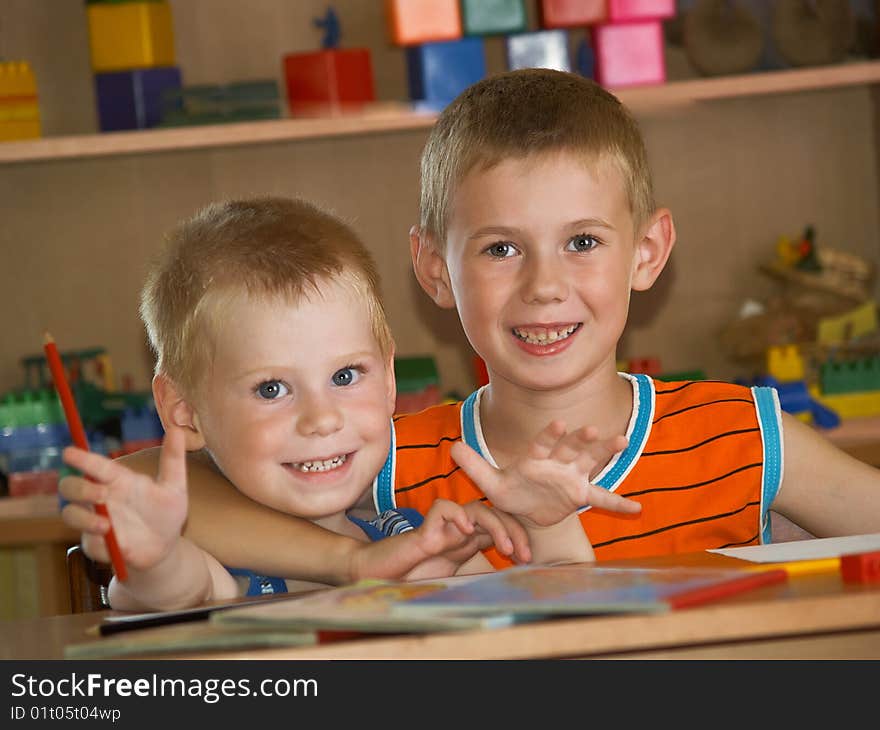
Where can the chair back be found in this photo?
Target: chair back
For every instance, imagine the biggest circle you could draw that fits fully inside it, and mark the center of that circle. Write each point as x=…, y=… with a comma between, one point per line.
x=88, y=581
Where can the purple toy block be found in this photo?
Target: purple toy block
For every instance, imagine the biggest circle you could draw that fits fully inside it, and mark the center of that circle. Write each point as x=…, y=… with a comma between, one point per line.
x=629, y=54
x=133, y=99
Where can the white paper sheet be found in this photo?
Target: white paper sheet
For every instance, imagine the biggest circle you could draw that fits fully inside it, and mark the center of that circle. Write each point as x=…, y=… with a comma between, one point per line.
x=817, y=549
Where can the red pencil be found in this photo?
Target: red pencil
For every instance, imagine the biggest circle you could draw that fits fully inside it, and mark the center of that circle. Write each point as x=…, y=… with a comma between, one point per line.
x=78, y=434
x=747, y=582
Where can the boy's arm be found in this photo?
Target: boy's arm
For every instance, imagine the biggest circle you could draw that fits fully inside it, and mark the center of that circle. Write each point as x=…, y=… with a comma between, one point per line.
x=825, y=490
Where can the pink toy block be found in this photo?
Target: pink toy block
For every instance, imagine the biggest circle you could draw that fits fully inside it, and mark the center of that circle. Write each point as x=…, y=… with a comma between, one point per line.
x=330, y=78
x=626, y=10
x=629, y=54
x=411, y=22
x=569, y=13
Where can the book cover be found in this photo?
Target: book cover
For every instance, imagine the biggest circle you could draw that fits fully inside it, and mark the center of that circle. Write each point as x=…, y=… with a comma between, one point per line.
x=542, y=591
x=201, y=636
x=366, y=607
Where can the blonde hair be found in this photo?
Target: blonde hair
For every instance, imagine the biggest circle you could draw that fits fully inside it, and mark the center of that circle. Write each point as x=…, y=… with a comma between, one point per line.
x=525, y=112
x=263, y=247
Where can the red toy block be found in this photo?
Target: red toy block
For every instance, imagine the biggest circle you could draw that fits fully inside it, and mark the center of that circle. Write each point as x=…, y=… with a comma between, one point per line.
x=860, y=567
x=626, y=10
x=411, y=22
x=647, y=365
x=569, y=13
x=331, y=77
x=27, y=483
x=629, y=54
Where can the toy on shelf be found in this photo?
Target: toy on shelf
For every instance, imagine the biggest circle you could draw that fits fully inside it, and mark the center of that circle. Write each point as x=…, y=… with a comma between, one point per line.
x=541, y=49
x=19, y=103
x=411, y=22
x=221, y=103
x=131, y=48
x=493, y=17
x=330, y=80
x=418, y=383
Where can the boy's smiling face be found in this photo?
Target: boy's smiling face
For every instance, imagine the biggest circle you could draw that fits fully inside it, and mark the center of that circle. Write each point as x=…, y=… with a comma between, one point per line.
x=296, y=408
x=539, y=261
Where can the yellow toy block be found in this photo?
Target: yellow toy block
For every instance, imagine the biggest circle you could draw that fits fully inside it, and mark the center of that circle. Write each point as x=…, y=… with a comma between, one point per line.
x=19, y=107
x=851, y=405
x=785, y=363
x=124, y=36
x=856, y=323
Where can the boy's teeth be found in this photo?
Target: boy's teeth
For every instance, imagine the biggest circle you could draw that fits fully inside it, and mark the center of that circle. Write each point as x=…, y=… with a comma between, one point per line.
x=544, y=336
x=325, y=465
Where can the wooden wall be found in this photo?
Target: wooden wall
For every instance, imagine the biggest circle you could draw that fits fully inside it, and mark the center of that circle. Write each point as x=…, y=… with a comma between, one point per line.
x=76, y=235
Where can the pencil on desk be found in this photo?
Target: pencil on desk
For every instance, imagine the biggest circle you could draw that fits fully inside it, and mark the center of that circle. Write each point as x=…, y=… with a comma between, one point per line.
x=78, y=435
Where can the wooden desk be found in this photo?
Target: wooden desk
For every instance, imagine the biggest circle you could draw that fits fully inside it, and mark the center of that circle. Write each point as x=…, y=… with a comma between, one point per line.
x=34, y=540
x=813, y=616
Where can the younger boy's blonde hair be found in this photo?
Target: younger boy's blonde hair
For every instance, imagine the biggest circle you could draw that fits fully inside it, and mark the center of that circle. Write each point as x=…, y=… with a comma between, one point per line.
x=268, y=247
x=525, y=112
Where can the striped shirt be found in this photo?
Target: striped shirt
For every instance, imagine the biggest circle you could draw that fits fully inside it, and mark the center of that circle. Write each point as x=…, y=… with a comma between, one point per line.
x=704, y=459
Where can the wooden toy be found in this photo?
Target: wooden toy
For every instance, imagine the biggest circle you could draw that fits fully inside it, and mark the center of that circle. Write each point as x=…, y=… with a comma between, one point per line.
x=541, y=49
x=133, y=99
x=571, y=13
x=493, y=17
x=129, y=35
x=438, y=72
x=421, y=21
x=629, y=54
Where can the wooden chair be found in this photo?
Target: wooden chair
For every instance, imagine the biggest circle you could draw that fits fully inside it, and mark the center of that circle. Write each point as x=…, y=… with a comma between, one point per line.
x=88, y=581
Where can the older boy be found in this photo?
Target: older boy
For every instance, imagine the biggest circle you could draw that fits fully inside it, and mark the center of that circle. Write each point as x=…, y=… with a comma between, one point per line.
x=537, y=221
x=274, y=356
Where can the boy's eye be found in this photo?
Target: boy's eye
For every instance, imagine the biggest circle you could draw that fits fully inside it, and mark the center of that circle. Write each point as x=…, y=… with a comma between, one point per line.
x=582, y=242
x=501, y=250
x=271, y=389
x=346, y=376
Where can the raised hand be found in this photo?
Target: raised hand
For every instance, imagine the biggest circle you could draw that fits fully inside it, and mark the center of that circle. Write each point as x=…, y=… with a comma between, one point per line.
x=147, y=515
x=552, y=480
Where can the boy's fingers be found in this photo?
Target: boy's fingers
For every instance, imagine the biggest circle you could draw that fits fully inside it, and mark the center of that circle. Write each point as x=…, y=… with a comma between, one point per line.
x=82, y=519
x=547, y=439
x=172, y=459
x=77, y=489
x=475, y=466
x=578, y=445
x=96, y=466
x=602, y=498
x=491, y=522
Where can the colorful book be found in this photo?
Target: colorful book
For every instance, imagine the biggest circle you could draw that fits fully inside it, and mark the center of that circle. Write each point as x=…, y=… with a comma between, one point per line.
x=532, y=592
x=367, y=606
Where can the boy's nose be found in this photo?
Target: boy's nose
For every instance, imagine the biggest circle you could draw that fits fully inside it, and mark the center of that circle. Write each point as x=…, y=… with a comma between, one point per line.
x=319, y=416
x=544, y=281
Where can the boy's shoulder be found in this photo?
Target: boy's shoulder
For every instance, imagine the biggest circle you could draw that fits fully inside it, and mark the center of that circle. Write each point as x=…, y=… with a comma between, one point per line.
x=431, y=425
x=685, y=394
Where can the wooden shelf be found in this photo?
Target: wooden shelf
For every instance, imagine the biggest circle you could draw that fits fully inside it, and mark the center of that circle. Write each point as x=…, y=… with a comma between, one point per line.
x=394, y=117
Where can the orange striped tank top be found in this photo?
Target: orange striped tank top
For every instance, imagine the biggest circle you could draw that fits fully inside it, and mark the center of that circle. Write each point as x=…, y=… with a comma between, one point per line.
x=704, y=460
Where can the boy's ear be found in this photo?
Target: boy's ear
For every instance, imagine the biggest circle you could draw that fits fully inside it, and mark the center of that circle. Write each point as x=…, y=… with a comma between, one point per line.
x=430, y=268
x=175, y=410
x=653, y=250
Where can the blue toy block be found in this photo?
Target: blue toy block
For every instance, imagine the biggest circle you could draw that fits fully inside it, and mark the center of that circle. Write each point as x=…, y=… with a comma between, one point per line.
x=140, y=424
x=133, y=99
x=541, y=49
x=795, y=398
x=585, y=59
x=438, y=72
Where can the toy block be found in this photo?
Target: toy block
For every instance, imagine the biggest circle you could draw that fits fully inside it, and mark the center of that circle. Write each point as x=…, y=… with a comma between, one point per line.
x=139, y=425
x=785, y=363
x=219, y=103
x=133, y=99
x=493, y=17
x=422, y=21
x=585, y=59
x=646, y=365
x=629, y=54
x=330, y=77
x=19, y=105
x=571, y=13
x=124, y=36
x=856, y=376
x=796, y=398
x=27, y=483
x=860, y=567
x=438, y=72
x=418, y=383
x=856, y=323
x=541, y=49
x=620, y=11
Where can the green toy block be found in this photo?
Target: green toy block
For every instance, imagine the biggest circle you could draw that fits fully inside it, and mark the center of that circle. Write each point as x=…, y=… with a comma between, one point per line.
x=683, y=375
x=30, y=408
x=855, y=376
x=493, y=17
x=414, y=374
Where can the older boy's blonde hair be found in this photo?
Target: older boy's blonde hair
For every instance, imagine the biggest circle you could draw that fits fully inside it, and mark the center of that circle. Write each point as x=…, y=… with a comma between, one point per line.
x=524, y=112
x=264, y=247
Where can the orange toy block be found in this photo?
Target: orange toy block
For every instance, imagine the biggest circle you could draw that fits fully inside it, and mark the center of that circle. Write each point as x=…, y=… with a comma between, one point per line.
x=411, y=22
x=860, y=567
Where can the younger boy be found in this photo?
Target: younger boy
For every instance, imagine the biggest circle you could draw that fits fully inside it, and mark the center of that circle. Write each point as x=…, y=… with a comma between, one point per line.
x=537, y=221
x=274, y=356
